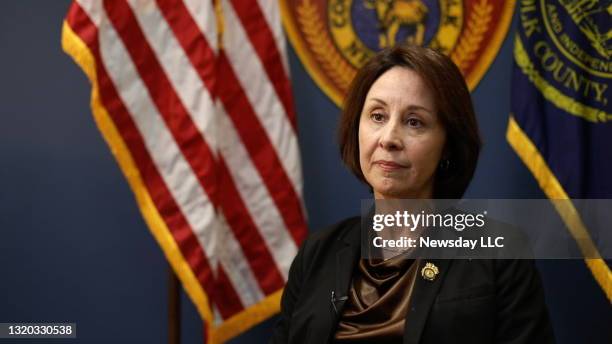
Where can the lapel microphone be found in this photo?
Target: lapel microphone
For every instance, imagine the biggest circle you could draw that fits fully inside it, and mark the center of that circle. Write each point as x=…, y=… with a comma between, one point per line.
x=337, y=300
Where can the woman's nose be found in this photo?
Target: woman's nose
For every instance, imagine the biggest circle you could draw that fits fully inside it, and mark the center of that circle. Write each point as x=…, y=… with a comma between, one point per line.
x=390, y=138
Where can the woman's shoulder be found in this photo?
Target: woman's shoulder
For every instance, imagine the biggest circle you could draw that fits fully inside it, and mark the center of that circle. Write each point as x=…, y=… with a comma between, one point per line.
x=333, y=236
x=337, y=231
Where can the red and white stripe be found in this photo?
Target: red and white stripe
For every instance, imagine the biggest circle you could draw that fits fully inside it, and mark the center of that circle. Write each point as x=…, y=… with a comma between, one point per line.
x=212, y=131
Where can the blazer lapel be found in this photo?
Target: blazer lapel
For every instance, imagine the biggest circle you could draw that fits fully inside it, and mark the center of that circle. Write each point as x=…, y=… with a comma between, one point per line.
x=345, y=262
x=347, y=250
x=346, y=258
x=423, y=295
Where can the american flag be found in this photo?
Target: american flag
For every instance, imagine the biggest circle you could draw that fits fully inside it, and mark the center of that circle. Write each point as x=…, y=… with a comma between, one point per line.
x=194, y=99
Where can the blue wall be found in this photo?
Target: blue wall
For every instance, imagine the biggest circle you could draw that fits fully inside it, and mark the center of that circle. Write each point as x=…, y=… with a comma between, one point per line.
x=75, y=248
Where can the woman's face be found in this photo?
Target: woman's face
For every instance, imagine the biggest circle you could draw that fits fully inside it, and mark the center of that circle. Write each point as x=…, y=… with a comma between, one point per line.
x=401, y=139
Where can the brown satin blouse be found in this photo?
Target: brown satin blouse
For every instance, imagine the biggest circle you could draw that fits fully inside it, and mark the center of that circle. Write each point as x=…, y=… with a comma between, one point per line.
x=378, y=300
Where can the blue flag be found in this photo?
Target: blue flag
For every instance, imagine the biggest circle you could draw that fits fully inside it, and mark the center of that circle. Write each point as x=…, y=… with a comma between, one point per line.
x=561, y=120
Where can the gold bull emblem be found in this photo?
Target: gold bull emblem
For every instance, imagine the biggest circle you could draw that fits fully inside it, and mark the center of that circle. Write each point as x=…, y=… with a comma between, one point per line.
x=394, y=14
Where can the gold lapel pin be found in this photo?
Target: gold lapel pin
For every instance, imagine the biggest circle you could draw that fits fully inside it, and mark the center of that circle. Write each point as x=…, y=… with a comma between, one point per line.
x=430, y=271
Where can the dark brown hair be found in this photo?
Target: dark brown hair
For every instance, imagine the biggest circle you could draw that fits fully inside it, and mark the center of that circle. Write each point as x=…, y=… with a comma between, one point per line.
x=453, y=102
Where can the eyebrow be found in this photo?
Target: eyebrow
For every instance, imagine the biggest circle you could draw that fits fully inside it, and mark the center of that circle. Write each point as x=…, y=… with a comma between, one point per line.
x=410, y=107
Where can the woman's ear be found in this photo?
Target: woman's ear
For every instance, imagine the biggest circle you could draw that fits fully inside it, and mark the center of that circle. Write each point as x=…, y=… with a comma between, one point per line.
x=445, y=161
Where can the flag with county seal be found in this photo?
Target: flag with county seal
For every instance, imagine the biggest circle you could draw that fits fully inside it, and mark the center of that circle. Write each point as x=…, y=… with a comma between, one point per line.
x=561, y=121
x=193, y=97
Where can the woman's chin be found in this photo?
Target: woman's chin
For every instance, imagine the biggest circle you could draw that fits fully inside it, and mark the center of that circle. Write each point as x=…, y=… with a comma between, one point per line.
x=390, y=189
x=387, y=191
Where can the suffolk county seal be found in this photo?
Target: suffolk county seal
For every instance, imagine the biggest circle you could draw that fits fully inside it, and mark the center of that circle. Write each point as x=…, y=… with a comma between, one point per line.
x=334, y=38
x=564, y=47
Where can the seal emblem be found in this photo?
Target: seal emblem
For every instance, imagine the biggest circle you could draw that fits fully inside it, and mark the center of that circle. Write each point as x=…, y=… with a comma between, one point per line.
x=334, y=38
x=565, y=49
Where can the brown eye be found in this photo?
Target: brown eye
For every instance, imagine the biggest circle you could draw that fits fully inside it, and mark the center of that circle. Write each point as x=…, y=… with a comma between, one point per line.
x=414, y=122
x=377, y=117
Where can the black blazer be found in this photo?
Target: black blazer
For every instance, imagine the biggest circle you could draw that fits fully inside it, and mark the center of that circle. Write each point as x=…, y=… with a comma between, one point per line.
x=469, y=301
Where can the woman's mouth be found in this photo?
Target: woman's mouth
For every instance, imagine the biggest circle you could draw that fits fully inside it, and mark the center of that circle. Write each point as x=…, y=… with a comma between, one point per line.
x=387, y=165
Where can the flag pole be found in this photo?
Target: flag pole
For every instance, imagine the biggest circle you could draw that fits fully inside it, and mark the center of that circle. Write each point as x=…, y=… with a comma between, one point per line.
x=174, y=308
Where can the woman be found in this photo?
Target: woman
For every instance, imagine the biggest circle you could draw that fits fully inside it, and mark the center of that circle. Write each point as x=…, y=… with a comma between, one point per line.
x=408, y=130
